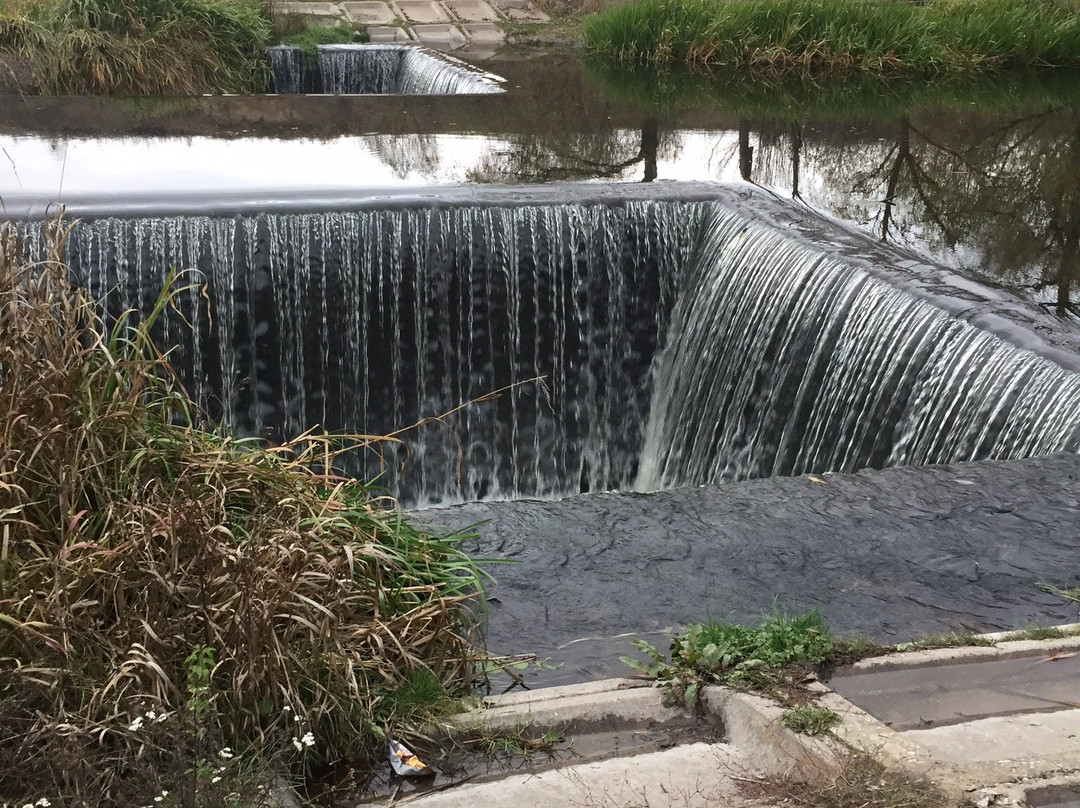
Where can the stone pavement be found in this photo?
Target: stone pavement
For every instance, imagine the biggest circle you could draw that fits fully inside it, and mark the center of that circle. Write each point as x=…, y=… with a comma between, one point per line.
x=473, y=26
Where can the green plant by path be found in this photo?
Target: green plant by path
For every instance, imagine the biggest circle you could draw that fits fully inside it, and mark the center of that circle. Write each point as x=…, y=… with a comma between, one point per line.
x=141, y=47
x=731, y=654
x=809, y=719
x=309, y=39
x=841, y=36
x=174, y=600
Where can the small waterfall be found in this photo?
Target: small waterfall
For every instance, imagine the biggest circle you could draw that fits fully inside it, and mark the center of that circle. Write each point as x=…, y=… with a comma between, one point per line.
x=783, y=360
x=288, y=65
x=424, y=74
x=368, y=321
x=361, y=70
x=376, y=70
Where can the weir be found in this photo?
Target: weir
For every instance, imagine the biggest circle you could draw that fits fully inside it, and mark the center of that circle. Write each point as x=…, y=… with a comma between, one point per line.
x=376, y=70
x=686, y=335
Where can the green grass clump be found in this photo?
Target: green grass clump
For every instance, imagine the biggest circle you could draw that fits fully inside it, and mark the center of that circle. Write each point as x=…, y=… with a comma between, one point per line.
x=309, y=39
x=809, y=719
x=142, y=47
x=731, y=654
x=841, y=36
x=175, y=602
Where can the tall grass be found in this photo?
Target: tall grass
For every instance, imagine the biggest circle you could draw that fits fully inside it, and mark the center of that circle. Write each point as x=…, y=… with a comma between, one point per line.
x=150, y=568
x=839, y=36
x=142, y=47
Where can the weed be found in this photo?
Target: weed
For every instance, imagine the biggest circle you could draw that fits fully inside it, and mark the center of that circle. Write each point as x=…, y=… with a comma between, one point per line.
x=840, y=36
x=809, y=719
x=142, y=47
x=726, y=653
x=950, y=640
x=1042, y=633
x=152, y=565
x=309, y=39
x=862, y=782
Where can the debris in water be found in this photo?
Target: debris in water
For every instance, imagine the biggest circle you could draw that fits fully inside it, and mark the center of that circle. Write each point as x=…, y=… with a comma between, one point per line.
x=405, y=763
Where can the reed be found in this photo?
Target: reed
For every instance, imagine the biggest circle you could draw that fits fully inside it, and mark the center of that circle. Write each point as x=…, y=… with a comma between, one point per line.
x=151, y=568
x=141, y=47
x=841, y=36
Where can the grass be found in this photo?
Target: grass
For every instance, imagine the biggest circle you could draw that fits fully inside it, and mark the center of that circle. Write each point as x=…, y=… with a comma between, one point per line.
x=177, y=605
x=809, y=719
x=141, y=47
x=814, y=37
x=309, y=39
x=862, y=782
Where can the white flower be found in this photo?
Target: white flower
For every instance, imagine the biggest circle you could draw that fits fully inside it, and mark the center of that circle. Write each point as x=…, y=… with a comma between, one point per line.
x=225, y=754
x=216, y=778
x=43, y=803
x=286, y=709
x=308, y=739
x=162, y=717
x=299, y=746
x=151, y=715
x=136, y=725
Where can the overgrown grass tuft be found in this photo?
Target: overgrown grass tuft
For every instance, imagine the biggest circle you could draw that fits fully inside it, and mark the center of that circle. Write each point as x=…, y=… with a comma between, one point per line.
x=142, y=47
x=841, y=36
x=174, y=601
x=809, y=719
x=309, y=39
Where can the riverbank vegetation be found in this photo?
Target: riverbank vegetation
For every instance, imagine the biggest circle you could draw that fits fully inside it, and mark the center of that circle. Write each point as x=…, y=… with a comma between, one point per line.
x=185, y=616
x=841, y=36
x=140, y=47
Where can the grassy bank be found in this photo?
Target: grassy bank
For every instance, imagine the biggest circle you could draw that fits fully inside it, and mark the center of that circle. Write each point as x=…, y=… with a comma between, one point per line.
x=184, y=615
x=140, y=47
x=841, y=36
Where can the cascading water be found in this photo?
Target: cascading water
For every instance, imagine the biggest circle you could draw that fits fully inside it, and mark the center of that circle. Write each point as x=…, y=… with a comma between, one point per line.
x=781, y=360
x=368, y=321
x=376, y=70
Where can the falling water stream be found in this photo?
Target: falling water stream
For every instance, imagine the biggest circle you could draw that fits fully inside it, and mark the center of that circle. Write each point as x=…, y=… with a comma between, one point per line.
x=680, y=342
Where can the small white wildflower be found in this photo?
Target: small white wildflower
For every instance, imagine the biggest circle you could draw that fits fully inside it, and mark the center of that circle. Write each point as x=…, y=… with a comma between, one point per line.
x=216, y=778
x=136, y=725
x=308, y=739
x=162, y=717
x=225, y=754
x=299, y=746
x=297, y=718
x=43, y=803
x=220, y=769
x=151, y=714
x=286, y=709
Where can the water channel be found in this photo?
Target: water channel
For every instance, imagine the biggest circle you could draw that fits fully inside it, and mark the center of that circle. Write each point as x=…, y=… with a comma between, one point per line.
x=689, y=281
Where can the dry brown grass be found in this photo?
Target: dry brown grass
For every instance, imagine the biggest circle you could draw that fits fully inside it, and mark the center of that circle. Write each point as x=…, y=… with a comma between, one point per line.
x=131, y=539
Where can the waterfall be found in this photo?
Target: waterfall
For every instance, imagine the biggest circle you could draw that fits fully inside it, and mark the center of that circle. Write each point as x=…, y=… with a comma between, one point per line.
x=784, y=360
x=366, y=322
x=289, y=69
x=376, y=70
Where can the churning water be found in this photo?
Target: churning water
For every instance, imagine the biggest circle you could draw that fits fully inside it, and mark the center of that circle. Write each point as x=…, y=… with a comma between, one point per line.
x=376, y=70
x=681, y=342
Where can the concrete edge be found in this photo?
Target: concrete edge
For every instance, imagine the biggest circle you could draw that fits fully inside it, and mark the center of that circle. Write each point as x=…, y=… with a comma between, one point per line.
x=749, y=722
x=1003, y=648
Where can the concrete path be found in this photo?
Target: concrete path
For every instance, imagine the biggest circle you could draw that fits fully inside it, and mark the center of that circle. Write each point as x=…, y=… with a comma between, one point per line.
x=472, y=26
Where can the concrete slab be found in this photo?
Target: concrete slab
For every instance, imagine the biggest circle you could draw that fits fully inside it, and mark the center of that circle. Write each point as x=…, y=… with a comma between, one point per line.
x=471, y=10
x=389, y=34
x=369, y=12
x=691, y=776
x=318, y=9
x=421, y=11
x=484, y=33
x=443, y=37
x=520, y=11
x=1017, y=745
x=918, y=698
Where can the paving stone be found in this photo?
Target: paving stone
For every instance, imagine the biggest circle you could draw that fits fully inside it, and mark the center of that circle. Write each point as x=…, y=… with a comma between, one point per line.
x=315, y=8
x=484, y=33
x=387, y=33
x=422, y=11
x=472, y=10
x=520, y=10
x=370, y=12
x=444, y=37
